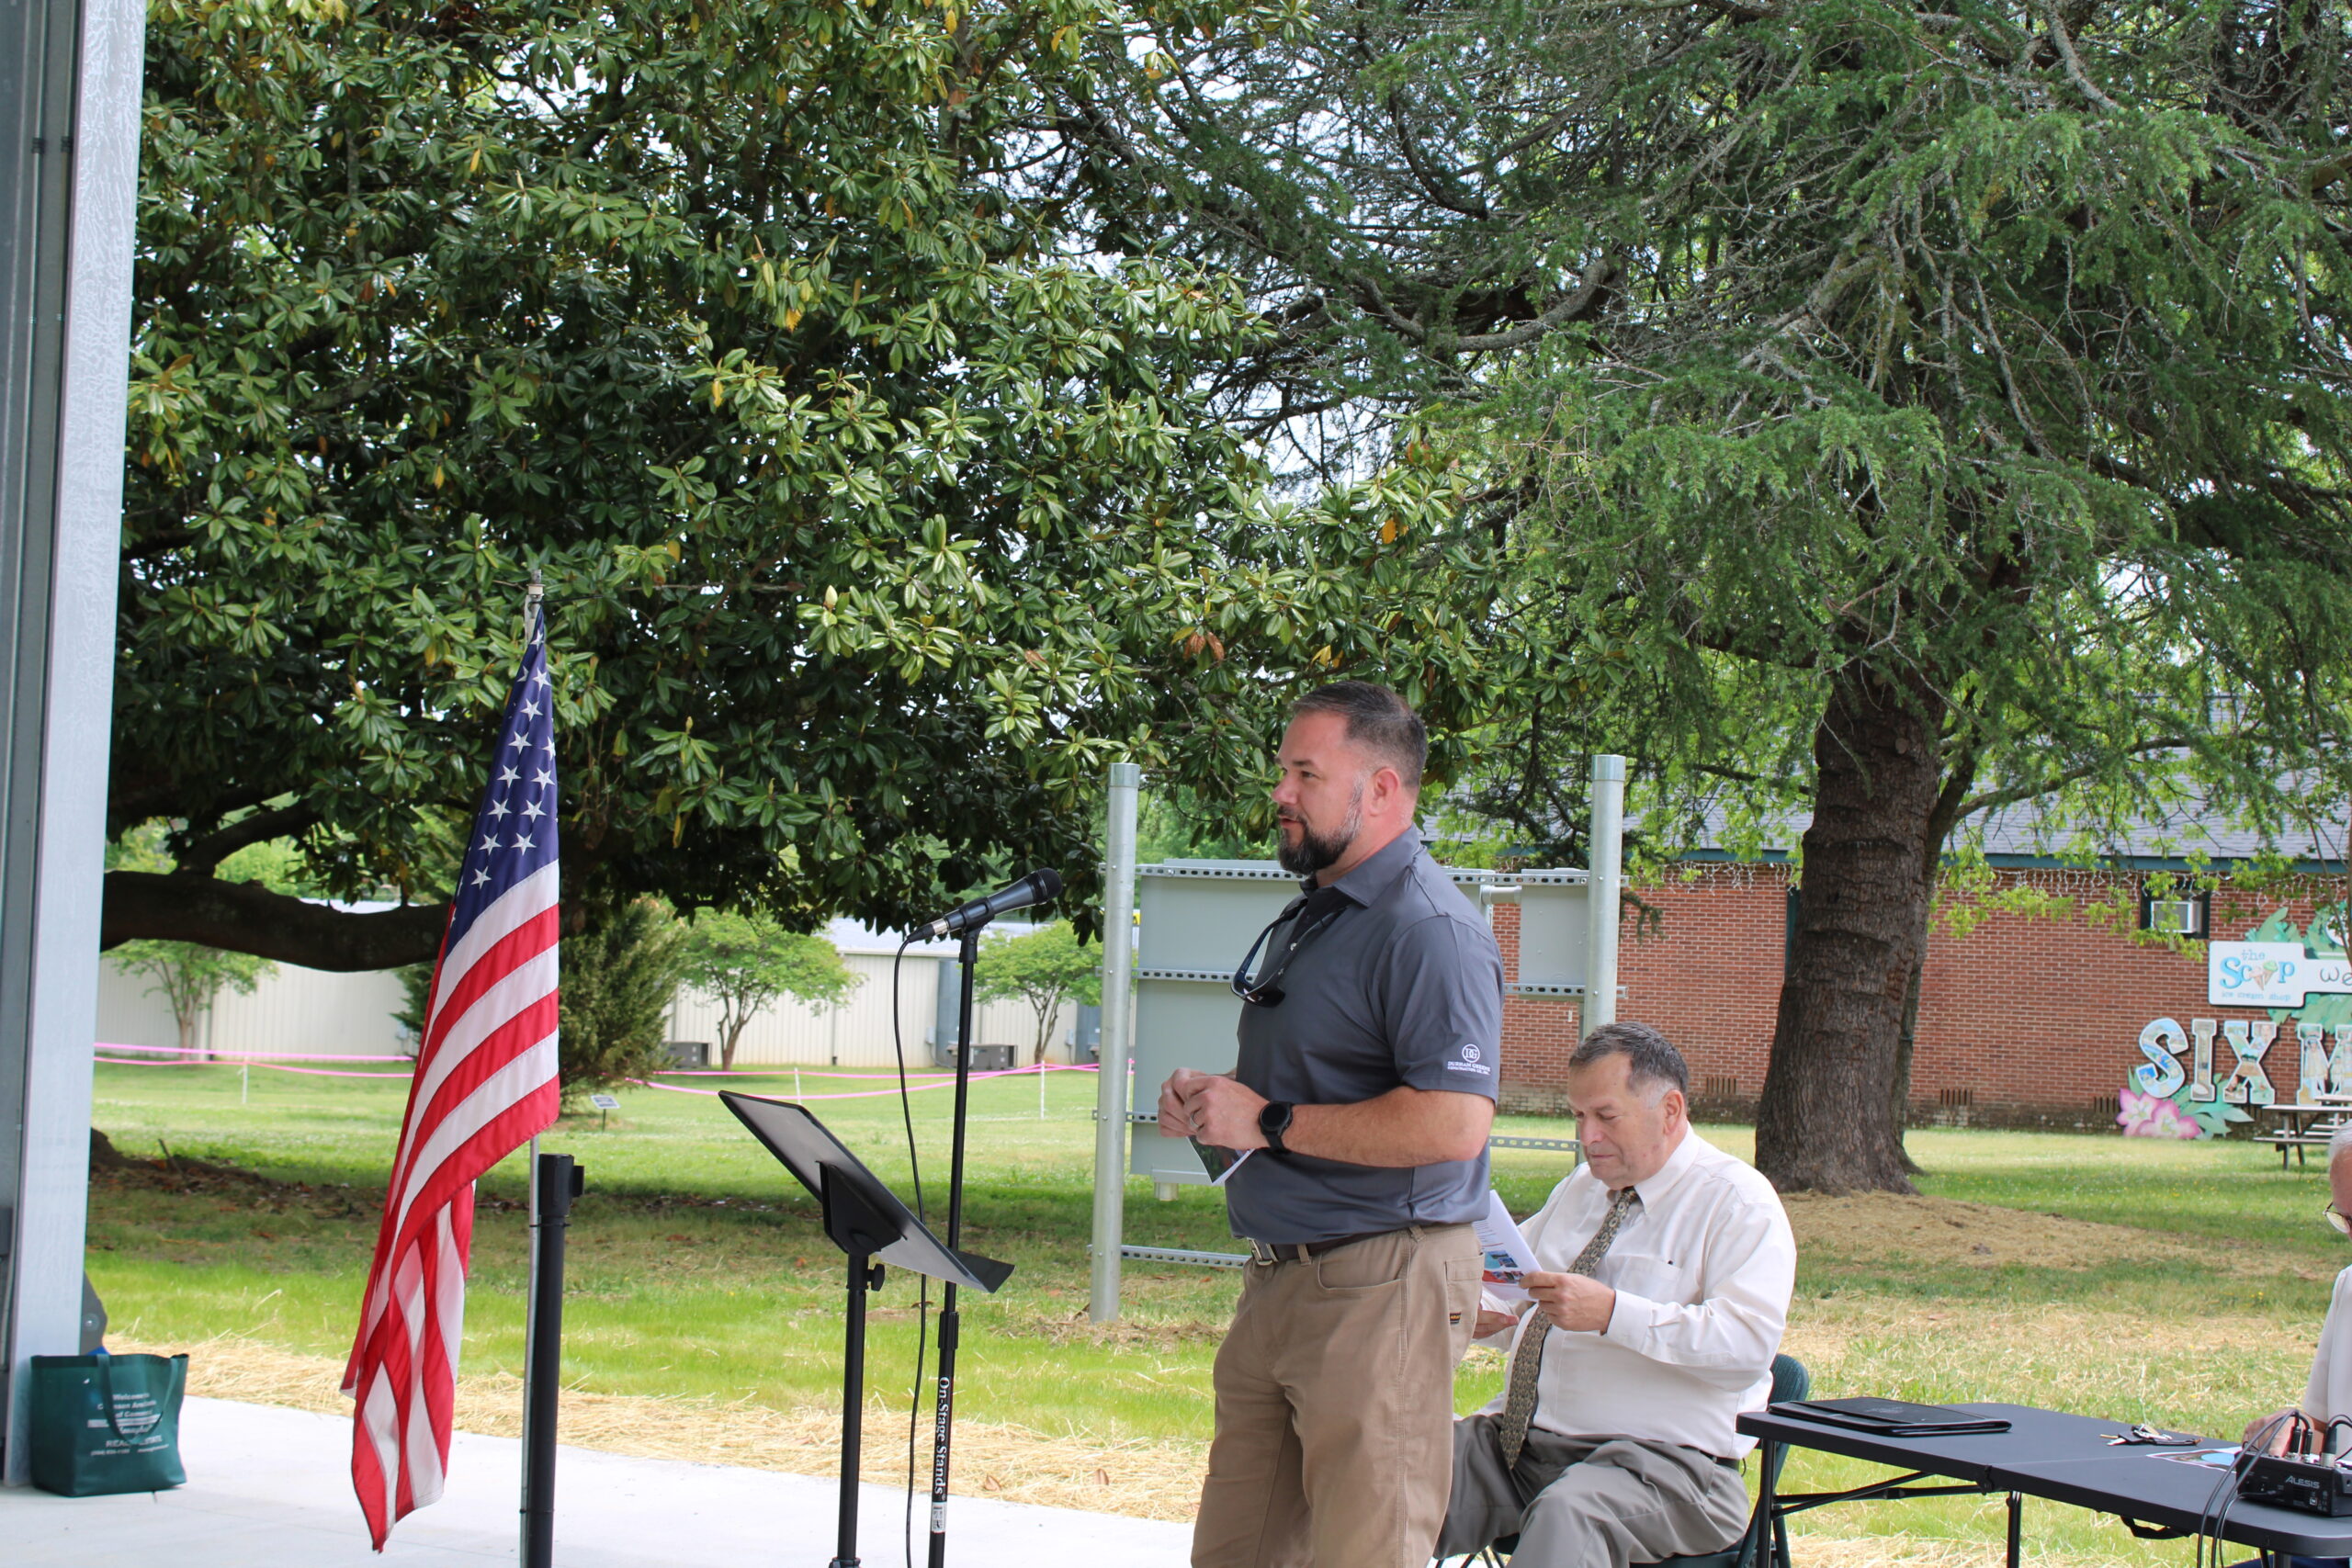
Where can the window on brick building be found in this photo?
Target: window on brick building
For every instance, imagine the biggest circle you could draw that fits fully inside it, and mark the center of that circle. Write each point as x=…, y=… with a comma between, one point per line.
x=2175, y=910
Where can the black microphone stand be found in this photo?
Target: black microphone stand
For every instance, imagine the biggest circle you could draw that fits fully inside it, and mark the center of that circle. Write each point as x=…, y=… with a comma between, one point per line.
x=967, y=961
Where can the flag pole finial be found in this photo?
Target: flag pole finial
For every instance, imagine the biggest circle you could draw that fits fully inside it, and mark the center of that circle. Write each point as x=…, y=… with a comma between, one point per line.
x=534, y=592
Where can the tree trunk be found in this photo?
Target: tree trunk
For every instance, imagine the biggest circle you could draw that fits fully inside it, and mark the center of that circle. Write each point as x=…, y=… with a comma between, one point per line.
x=1825, y=1121
x=731, y=1030
x=1899, y=1086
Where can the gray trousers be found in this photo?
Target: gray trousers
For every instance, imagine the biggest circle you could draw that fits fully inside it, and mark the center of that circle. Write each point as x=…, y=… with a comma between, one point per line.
x=1590, y=1502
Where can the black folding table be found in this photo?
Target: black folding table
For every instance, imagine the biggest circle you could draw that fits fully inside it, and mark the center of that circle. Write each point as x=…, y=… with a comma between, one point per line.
x=2053, y=1455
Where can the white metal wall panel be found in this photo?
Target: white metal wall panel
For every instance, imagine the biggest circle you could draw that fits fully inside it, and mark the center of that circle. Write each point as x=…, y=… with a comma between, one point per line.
x=858, y=1034
x=293, y=1010
x=129, y=1014
x=303, y=1011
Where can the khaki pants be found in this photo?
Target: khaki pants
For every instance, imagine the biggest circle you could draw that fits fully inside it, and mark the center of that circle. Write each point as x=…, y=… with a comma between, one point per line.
x=1590, y=1502
x=1335, y=1405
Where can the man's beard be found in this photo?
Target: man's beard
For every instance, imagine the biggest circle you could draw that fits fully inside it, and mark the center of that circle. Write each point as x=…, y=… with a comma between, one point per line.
x=1314, y=851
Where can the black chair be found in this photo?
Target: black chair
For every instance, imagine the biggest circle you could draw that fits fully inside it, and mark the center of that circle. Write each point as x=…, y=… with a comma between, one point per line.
x=1767, y=1538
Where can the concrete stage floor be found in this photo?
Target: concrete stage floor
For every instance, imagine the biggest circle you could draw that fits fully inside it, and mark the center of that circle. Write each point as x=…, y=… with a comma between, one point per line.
x=271, y=1488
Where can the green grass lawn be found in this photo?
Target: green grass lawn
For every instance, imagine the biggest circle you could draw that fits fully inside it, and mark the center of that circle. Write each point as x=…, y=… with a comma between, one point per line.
x=697, y=1268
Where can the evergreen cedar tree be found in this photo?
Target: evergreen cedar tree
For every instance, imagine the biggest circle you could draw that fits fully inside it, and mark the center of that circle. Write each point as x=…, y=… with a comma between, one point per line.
x=1884, y=411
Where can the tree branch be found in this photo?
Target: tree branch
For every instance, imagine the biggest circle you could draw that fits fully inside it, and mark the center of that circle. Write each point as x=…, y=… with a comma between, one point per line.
x=246, y=917
x=199, y=856
x=1994, y=799
x=2064, y=44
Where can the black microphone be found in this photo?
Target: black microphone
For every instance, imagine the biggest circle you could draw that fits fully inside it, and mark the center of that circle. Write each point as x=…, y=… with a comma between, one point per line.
x=1037, y=887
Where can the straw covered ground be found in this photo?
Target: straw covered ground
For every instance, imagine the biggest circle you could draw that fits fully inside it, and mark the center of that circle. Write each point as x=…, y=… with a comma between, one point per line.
x=2177, y=1283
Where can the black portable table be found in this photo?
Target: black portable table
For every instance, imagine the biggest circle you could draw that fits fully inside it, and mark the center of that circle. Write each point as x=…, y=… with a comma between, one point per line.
x=2052, y=1455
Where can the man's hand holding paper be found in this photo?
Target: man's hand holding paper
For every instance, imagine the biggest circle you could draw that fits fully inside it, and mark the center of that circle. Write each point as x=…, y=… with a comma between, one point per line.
x=1507, y=1258
x=1575, y=1301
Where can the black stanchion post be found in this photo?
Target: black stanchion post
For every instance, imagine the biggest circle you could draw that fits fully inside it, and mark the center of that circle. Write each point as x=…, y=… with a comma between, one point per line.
x=560, y=1179
x=864, y=1276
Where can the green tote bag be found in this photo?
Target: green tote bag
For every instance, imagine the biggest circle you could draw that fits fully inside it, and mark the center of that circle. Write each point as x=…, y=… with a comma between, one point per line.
x=107, y=1422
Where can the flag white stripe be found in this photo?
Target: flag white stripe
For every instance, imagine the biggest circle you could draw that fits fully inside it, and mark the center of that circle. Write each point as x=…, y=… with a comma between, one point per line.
x=497, y=1094
x=424, y=1453
x=379, y=1415
x=453, y=1296
x=533, y=896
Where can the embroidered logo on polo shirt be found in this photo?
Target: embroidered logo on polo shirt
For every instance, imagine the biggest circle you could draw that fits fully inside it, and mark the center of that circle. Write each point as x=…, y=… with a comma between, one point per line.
x=1470, y=1062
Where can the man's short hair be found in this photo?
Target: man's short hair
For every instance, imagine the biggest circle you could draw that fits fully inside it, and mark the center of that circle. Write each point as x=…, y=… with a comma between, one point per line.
x=1379, y=721
x=1650, y=1058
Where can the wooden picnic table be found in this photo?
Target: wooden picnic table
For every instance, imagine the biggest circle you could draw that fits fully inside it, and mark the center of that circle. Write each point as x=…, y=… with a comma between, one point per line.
x=2304, y=1124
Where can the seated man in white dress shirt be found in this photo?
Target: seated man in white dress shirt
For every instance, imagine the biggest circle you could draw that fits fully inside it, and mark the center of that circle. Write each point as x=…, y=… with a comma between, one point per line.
x=1666, y=1268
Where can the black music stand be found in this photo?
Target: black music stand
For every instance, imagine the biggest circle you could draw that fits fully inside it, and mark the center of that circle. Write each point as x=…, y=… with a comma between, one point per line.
x=866, y=1220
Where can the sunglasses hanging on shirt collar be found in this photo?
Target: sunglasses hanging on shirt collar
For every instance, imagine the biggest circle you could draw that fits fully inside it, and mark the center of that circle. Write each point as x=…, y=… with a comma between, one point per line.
x=1323, y=904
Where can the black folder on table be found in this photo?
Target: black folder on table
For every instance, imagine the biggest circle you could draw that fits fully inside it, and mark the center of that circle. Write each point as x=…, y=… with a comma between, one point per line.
x=1891, y=1418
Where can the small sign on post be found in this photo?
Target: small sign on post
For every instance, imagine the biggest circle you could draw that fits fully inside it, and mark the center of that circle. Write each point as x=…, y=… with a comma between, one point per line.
x=605, y=1104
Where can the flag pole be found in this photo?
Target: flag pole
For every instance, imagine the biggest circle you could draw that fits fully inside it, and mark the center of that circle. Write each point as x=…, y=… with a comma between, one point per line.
x=537, y=1510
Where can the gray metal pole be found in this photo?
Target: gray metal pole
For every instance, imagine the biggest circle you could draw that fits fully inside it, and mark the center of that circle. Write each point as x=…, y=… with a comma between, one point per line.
x=1118, y=1038
x=69, y=183
x=1608, y=878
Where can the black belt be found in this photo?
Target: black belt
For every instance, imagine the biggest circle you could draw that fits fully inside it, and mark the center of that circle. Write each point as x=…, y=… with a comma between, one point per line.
x=1303, y=1251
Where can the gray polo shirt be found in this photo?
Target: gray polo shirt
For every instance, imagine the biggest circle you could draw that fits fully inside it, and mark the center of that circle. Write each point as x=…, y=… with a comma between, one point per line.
x=1404, y=987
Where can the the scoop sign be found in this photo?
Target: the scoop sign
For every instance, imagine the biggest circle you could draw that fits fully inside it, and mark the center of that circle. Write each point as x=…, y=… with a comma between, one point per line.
x=2270, y=975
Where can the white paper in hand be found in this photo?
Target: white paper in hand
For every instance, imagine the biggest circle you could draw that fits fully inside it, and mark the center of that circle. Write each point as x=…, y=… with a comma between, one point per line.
x=1220, y=1163
x=1508, y=1258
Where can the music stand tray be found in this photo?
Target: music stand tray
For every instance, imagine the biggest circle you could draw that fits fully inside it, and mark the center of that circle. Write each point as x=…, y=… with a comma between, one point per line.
x=866, y=1220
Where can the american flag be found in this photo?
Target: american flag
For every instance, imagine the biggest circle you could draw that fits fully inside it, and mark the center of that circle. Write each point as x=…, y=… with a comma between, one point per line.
x=485, y=1084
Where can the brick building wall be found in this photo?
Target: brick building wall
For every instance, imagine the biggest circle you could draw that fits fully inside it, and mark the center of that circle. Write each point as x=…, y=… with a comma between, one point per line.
x=2025, y=1019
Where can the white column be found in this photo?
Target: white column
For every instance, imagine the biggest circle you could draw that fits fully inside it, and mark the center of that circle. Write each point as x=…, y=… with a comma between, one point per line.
x=1118, y=1037
x=67, y=364
x=1607, y=861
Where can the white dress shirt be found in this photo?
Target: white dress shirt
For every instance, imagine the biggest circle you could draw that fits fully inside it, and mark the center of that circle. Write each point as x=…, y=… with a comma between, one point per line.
x=2329, y=1393
x=1703, y=1269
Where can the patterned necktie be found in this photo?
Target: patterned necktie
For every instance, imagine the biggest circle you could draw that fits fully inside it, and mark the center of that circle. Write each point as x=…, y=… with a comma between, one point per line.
x=1527, y=1360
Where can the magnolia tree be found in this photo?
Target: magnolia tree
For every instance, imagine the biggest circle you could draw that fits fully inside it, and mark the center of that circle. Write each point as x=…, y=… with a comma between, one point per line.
x=876, y=515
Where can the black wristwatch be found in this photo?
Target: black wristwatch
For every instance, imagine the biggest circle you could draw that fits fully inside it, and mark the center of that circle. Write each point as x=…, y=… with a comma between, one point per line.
x=1274, y=1121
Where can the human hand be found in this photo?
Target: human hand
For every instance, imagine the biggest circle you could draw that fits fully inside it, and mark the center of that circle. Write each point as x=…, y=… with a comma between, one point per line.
x=1222, y=1110
x=1493, y=1323
x=1175, y=1121
x=2282, y=1425
x=1573, y=1300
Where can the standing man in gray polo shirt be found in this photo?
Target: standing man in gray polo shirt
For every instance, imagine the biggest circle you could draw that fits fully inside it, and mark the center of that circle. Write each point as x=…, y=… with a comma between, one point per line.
x=1370, y=1025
